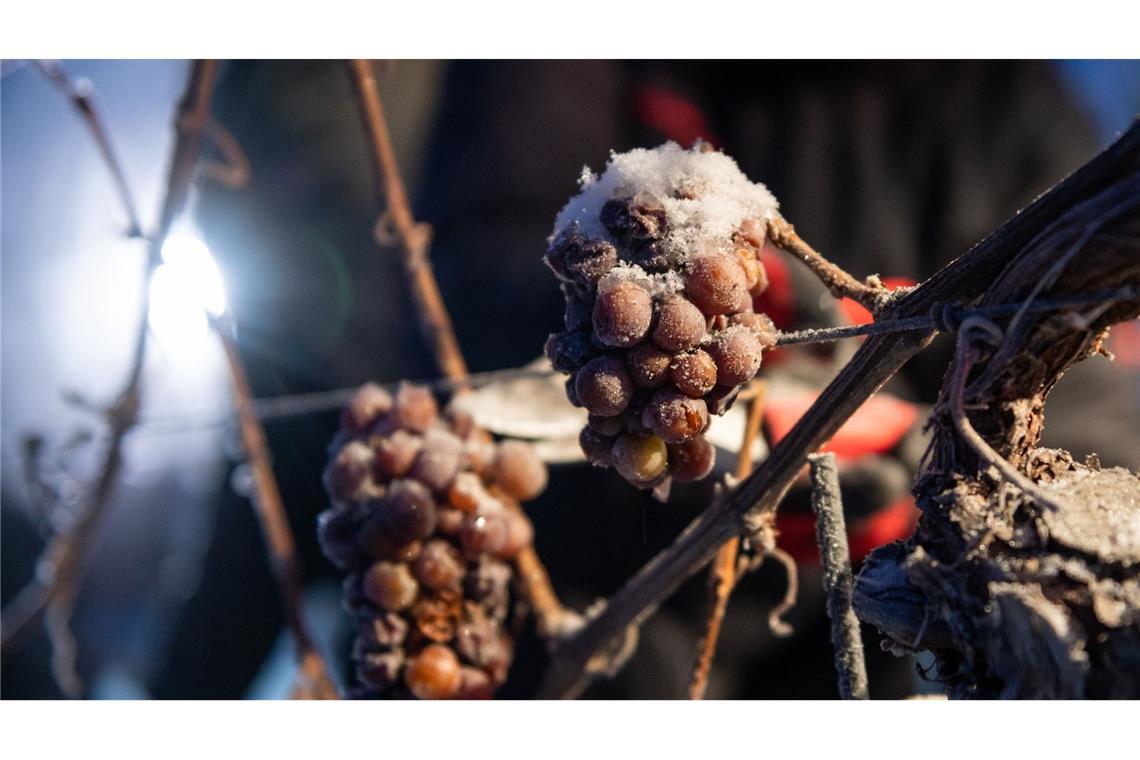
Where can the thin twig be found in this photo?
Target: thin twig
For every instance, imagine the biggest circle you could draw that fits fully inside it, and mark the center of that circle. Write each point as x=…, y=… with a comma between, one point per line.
x=79, y=93
x=838, y=580
x=314, y=682
x=873, y=364
x=840, y=283
x=722, y=574
x=400, y=226
x=65, y=557
x=776, y=623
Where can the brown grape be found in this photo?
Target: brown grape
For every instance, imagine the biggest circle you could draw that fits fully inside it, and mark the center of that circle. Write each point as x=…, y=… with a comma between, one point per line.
x=408, y=511
x=596, y=447
x=438, y=461
x=348, y=476
x=608, y=426
x=439, y=566
x=396, y=453
x=674, y=417
x=569, y=350
x=482, y=642
x=433, y=673
x=336, y=532
x=736, y=351
x=680, y=324
x=693, y=374
x=383, y=631
x=579, y=310
x=691, y=460
x=761, y=326
x=369, y=403
x=437, y=616
x=474, y=684
x=622, y=314
x=648, y=365
x=414, y=408
x=518, y=470
x=390, y=586
x=380, y=670
x=604, y=387
x=640, y=459
x=589, y=259
x=716, y=284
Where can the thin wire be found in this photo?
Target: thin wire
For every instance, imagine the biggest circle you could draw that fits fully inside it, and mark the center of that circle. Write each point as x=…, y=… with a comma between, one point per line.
x=942, y=318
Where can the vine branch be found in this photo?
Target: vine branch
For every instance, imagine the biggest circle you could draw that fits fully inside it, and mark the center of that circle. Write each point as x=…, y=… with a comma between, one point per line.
x=962, y=281
x=871, y=294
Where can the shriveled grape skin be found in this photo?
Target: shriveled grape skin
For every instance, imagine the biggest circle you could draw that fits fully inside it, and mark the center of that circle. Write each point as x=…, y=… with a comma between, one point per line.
x=622, y=314
x=691, y=460
x=675, y=417
x=716, y=284
x=648, y=365
x=680, y=324
x=396, y=453
x=604, y=387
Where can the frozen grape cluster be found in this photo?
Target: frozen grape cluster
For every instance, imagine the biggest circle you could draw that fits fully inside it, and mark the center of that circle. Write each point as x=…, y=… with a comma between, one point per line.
x=426, y=518
x=658, y=259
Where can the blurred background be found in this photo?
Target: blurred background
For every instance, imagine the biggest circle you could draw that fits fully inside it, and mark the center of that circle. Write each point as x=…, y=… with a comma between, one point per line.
x=887, y=167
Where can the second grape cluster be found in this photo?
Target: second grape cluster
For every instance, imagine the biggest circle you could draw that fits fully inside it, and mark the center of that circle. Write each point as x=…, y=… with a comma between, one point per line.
x=660, y=327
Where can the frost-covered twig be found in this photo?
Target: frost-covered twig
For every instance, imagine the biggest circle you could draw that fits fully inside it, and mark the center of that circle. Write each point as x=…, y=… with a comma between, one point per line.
x=840, y=283
x=722, y=574
x=65, y=557
x=314, y=681
x=872, y=365
x=400, y=226
x=835, y=556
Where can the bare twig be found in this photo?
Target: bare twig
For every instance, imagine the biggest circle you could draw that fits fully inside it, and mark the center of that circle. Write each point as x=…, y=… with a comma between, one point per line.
x=400, y=226
x=872, y=365
x=65, y=557
x=79, y=93
x=841, y=284
x=722, y=574
x=776, y=623
x=835, y=555
x=314, y=681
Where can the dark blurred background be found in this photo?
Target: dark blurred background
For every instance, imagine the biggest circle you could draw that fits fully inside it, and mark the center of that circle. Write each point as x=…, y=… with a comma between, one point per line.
x=888, y=167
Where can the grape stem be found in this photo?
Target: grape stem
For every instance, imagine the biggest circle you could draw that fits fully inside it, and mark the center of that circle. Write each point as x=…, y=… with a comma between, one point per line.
x=722, y=573
x=753, y=501
x=51, y=596
x=398, y=225
x=871, y=294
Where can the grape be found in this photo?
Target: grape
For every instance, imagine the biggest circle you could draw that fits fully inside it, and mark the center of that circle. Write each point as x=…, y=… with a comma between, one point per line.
x=439, y=566
x=370, y=402
x=439, y=460
x=589, y=259
x=755, y=278
x=680, y=324
x=488, y=584
x=433, y=673
x=408, y=512
x=478, y=451
x=390, y=586
x=596, y=447
x=632, y=417
x=474, y=684
x=716, y=284
x=336, y=532
x=674, y=417
x=569, y=350
x=640, y=459
x=520, y=534
x=462, y=422
x=604, y=387
x=648, y=365
x=753, y=232
x=736, y=352
x=691, y=460
x=641, y=217
x=466, y=492
x=579, y=310
x=518, y=470
x=437, y=616
x=693, y=374
x=396, y=453
x=375, y=541
x=622, y=314
x=760, y=325
x=382, y=631
x=607, y=426
x=414, y=408
x=721, y=398
x=348, y=476
x=450, y=521
x=380, y=670
x=353, y=597
x=482, y=642
x=572, y=391
x=484, y=534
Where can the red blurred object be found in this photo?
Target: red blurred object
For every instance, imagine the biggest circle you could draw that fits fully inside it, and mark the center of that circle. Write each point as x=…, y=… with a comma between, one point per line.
x=797, y=532
x=672, y=115
x=875, y=428
x=857, y=315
